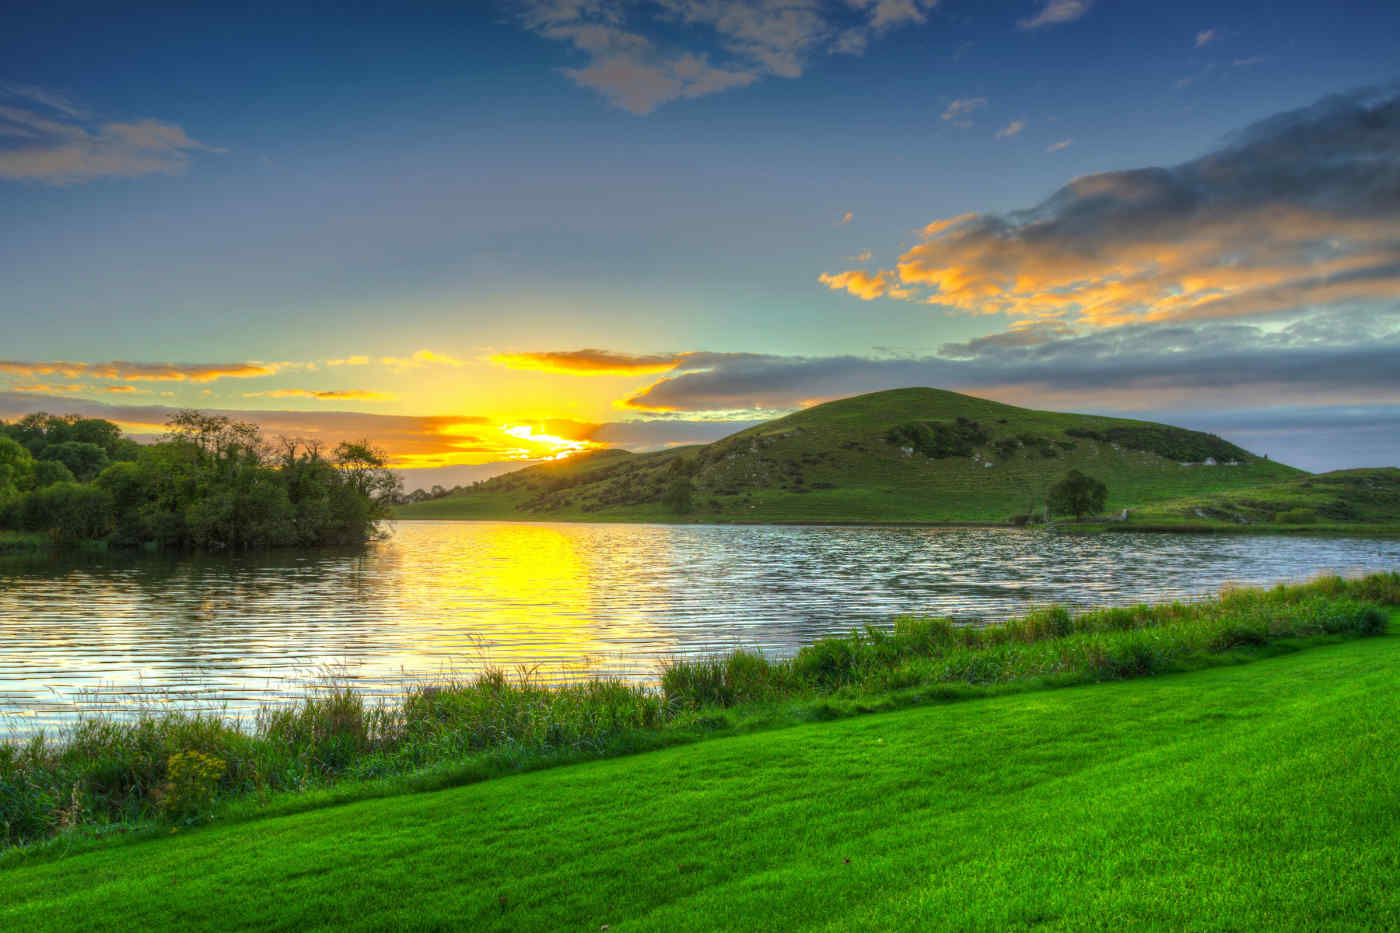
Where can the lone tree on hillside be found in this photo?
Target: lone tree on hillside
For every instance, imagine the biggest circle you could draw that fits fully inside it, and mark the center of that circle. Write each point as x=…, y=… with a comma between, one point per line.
x=1078, y=494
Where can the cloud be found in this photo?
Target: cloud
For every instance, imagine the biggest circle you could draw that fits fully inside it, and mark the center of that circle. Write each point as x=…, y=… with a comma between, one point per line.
x=1056, y=12
x=1206, y=36
x=329, y=395
x=589, y=362
x=846, y=218
x=961, y=109
x=1298, y=213
x=349, y=361
x=1246, y=62
x=858, y=282
x=862, y=256
x=50, y=388
x=141, y=372
x=641, y=55
x=45, y=138
x=1140, y=367
x=1011, y=129
x=1062, y=144
x=419, y=359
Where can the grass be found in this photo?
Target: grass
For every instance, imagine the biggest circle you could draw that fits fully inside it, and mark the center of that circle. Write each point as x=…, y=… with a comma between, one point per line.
x=109, y=775
x=1258, y=796
x=836, y=462
x=1361, y=501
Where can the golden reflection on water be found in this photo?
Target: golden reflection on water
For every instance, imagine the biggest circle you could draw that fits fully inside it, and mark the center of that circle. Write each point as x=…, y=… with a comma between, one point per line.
x=544, y=592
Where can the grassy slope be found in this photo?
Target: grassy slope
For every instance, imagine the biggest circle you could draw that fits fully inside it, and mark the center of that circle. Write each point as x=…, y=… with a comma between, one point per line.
x=1362, y=500
x=779, y=471
x=1251, y=797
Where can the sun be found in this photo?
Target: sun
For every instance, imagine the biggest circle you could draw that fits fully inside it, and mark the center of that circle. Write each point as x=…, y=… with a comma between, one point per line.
x=556, y=448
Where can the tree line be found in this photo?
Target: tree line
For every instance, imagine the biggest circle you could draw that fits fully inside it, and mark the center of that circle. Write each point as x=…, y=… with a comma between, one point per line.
x=209, y=483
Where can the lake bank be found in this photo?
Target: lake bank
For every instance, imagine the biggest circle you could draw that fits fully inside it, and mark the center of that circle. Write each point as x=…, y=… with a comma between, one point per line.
x=1254, y=795
x=178, y=767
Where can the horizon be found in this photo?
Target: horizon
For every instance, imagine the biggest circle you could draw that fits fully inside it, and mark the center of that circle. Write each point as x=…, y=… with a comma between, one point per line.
x=486, y=238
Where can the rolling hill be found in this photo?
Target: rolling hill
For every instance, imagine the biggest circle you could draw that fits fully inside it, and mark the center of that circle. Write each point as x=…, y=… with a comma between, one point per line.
x=905, y=455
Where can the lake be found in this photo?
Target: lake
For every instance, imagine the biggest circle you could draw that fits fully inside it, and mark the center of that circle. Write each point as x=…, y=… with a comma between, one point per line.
x=115, y=632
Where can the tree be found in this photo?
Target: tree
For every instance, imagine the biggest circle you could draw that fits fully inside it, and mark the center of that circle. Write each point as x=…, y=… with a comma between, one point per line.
x=1078, y=495
x=84, y=459
x=16, y=468
x=680, y=496
x=48, y=472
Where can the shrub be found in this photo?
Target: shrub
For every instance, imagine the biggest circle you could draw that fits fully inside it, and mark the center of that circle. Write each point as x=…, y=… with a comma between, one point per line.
x=193, y=778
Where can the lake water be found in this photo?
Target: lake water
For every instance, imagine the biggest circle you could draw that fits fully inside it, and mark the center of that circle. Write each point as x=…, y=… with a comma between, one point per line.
x=574, y=600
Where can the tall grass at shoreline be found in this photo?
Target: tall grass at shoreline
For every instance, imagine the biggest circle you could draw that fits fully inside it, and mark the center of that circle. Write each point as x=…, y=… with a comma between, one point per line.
x=175, y=767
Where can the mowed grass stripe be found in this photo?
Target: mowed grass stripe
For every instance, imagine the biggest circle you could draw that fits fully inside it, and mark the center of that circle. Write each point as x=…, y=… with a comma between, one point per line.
x=1250, y=797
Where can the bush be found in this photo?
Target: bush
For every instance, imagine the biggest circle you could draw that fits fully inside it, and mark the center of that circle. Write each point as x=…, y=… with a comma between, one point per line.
x=193, y=778
x=1078, y=495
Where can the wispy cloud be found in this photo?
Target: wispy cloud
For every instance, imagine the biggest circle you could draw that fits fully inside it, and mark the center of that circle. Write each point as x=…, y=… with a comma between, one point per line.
x=141, y=372
x=420, y=358
x=1291, y=214
x=1247, y=62
x=1206, y=36
x=1055, y=12
x=960, y=110
x=845, y=219
x=326, y=395
x=44, y=137
x=646, y=54
x=589, y=362
x=50, y=388
x=349, y=361
x=1011, y=129
x=1057, y=146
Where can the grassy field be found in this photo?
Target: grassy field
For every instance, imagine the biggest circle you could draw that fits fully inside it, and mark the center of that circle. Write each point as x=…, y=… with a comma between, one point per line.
x=1259, y=796
x=1361, y=501
x=894, y=456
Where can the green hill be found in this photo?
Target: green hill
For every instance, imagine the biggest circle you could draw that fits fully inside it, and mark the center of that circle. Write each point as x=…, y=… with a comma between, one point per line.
x=916, y=455
x=1354, y=500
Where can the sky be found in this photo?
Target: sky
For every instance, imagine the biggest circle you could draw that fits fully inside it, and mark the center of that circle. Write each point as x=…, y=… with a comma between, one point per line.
x=484, y=234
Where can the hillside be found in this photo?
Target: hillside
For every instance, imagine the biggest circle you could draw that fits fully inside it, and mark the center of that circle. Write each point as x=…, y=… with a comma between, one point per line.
x=916, y=455
x=1351, y=499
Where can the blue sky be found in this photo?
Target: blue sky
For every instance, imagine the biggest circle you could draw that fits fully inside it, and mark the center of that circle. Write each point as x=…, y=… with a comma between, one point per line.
x=280, y=188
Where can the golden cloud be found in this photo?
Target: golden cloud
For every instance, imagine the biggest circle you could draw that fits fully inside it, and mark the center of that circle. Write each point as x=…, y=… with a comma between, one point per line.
x=418, y=359
x=590, y=362
x=140, y=372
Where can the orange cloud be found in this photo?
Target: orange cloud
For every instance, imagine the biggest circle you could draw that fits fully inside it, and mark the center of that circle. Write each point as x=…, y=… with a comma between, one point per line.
x=164, y=372
x=589, y=362
x=858, y=282
x=45, y=388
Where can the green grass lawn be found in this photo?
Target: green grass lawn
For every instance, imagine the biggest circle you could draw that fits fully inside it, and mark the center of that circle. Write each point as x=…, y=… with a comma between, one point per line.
x=1258, y=796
